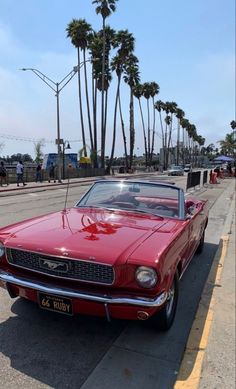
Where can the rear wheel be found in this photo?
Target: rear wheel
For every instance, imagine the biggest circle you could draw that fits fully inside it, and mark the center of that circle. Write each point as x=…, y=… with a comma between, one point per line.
x=201, y=244
x=163, y=320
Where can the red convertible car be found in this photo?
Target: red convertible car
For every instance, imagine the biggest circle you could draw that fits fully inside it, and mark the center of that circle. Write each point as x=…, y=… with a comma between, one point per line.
x=118, y=253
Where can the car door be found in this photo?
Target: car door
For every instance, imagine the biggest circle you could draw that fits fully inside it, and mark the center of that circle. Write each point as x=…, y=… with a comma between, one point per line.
x=195, y=228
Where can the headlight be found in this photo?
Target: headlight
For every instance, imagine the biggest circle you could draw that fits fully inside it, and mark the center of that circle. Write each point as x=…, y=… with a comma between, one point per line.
x=2, y=249
x=146, y=277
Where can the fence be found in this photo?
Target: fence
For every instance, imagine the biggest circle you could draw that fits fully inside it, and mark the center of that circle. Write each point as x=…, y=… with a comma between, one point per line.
x=193, y=179
x=205, y=177
x=30, y=173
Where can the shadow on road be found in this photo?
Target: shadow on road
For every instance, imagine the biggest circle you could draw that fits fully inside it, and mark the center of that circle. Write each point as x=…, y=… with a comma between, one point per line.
x=62, y=351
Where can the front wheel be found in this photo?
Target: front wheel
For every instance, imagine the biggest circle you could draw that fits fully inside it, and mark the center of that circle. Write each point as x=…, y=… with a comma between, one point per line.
x=164, y=319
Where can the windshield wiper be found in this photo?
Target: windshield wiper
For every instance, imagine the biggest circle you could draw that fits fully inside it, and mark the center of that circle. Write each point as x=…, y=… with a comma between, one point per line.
x=95, y=206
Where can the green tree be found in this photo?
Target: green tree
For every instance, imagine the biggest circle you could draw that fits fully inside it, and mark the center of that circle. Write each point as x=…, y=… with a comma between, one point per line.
x=38, y=149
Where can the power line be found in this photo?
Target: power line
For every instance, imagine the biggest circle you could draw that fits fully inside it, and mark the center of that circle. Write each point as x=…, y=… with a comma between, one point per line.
x=24, y=139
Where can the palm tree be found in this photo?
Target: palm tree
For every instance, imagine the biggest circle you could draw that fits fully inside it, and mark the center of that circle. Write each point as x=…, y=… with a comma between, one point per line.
x=95, y=49
x=147, y=94
x=191, y=130
x=184, y=123
x=233, y=124
x=228, y=145
x=169, y=108
x=154, y=91
x=180, y=115
x=159, y=106
x=109, y=42
x=138, y=93
x=125, y=43
x=166, y=154
x=105, y=8
x=132, y=78
x=78, y=30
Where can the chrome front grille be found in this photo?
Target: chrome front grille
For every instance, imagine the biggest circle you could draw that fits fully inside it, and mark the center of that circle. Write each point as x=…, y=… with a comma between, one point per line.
x=64, y=268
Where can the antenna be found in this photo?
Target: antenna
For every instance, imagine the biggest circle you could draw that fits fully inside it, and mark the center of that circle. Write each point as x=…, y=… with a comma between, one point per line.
x=67, y=188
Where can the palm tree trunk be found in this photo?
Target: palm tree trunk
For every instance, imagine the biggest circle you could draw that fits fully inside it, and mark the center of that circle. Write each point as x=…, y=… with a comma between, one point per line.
x=149, y=132
x=114, y=123
x=183, y=146
x=105, y=117
x=94, y=95
x=162, y=136
x=102, y=104
x=153, y=129
x=178, y=133
x=144, y=133
x=87, y=101
x=165, y=149
x=169, y=138
x=81, y=106
x=124, y=136
x=131, y=128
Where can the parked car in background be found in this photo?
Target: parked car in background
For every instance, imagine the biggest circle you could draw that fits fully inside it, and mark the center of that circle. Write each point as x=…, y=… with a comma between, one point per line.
x=118, y=253
x=175, y=171
x=188, y=167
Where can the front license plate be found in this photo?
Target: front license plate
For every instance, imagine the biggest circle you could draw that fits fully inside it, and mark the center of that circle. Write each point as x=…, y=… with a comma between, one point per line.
x=55, y=303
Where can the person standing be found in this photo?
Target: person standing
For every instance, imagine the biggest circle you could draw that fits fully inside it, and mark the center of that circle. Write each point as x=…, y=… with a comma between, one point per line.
x=3, y=174
x=38, y=173
x=52, y=173
x=20, y=173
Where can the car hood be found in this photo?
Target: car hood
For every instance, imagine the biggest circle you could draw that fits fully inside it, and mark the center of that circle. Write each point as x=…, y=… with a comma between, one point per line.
x=90, y=234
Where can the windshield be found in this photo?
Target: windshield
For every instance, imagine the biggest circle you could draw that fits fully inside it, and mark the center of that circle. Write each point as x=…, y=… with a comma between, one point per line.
x=150, y=198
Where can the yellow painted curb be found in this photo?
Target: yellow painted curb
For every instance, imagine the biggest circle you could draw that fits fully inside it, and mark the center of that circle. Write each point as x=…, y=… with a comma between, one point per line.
x=191, y=366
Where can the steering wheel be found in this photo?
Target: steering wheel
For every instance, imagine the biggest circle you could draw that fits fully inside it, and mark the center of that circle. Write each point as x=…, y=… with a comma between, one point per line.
x=159, y=206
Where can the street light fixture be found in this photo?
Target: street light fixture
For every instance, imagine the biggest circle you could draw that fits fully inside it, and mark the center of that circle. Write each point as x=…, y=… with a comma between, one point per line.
x=57, y=88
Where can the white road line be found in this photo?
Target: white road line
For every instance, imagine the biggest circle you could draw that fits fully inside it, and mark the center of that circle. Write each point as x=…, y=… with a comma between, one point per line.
x=32, y=194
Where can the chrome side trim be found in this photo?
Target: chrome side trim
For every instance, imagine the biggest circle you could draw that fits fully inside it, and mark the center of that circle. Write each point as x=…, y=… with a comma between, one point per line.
x=41, y=287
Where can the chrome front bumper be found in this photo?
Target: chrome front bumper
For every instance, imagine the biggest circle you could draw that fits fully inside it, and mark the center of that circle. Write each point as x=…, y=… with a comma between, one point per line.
x=7, y=278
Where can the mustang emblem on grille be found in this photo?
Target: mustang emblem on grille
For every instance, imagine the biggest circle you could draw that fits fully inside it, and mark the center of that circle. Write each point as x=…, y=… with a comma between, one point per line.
x=53, y=265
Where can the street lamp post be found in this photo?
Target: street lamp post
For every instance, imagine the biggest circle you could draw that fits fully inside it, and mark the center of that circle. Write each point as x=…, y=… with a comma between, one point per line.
x=57, y=88
x=65, y=146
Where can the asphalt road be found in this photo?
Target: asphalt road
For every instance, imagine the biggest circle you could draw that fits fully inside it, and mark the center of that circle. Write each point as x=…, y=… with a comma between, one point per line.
x=40, y=349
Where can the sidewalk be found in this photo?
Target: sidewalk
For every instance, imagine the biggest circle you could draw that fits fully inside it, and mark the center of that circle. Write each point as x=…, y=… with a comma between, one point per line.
x=38, y=185
x=209, y=358
x=218, y=369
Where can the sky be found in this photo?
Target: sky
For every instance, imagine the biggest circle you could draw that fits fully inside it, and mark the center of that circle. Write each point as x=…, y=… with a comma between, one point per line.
x=187, y=47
